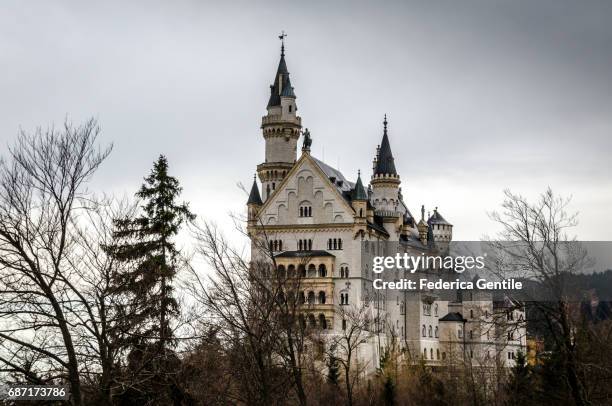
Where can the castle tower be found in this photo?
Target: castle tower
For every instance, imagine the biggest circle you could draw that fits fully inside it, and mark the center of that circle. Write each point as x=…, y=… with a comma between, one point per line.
x=385, y=186
x=281, y=129
x=253, y=204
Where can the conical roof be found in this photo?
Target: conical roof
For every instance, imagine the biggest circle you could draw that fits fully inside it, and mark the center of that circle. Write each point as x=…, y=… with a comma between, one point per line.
x=254, y=197
x=384, y=163
x=359, y=192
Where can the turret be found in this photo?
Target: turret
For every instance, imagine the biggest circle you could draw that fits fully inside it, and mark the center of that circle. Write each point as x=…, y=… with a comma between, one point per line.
x=422, y=227
x=385, y=186
x=281, y=128
x=253, y=204
x=360, y=199
x=441, y=229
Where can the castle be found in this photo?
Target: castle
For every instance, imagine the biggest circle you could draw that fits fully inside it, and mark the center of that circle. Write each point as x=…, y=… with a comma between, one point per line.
x=307, y=208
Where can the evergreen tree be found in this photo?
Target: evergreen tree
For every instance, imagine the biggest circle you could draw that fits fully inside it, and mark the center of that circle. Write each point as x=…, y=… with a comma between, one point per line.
x=520, y=388
x=147, y=242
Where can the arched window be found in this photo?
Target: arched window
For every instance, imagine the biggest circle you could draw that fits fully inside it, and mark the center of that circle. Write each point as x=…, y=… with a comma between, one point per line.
x=423, y=331
x=302, y=321
x=322, y=321
x=271, y=244
x=300, y=245
x=344, y=299
x=430, y=331
x=431, y=353
x=291, y=271
x=438, y=353
x=290, y=108
x=360, y=212
x=312, y=271
x=329, y=244
x=335, y=244
x=301, y=298
x=281, y=271
x=443, y=355
x=301, y=212
x=322, y=297
x=402, y=308
x=471, y=314
x=322, y=271
x=275, y=245
x=302, y=270
x=309, y=211
x=339, y=243
x=280, y=245
x=425, y=353
x=436, y=333
x=436, y=310
x=311, y=320
x=311, y=297
x=309, y=245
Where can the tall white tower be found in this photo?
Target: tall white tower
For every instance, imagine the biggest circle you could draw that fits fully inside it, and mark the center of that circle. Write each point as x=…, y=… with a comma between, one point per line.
x=281, y=129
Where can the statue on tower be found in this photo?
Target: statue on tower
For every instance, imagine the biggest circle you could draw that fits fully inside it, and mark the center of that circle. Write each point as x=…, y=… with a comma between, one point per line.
x=307, y=141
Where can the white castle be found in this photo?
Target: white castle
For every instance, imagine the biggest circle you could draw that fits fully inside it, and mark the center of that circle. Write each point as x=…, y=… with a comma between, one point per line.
x=307, y=208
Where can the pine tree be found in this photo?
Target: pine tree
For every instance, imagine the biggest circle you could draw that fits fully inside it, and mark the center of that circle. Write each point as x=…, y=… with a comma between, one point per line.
x=147, y=242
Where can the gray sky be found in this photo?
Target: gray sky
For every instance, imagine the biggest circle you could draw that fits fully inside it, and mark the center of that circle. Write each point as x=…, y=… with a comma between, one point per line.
x=481, y=95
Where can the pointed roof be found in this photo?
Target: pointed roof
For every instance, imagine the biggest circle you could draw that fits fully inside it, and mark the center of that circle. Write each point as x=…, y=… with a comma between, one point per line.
x=254, y=197
x=281, y=85
x=359, y=192
x=384, y=162
x=437, y=218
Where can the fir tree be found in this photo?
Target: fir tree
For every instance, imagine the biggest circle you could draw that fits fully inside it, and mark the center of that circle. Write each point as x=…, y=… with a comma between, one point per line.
x=147, y=242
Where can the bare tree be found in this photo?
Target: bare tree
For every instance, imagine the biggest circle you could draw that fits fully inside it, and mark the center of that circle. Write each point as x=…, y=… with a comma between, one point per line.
x=541, y=250
x=356, y=324
x=41, y=188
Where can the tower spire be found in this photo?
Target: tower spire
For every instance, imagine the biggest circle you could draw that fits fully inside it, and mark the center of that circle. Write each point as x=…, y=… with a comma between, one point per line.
x=282, y=38
x=384, y=162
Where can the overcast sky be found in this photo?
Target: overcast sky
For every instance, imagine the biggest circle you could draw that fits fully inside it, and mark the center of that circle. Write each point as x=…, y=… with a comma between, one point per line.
x=481, y=95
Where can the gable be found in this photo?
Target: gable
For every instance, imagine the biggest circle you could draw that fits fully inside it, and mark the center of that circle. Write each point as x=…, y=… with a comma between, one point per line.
x=306, y=186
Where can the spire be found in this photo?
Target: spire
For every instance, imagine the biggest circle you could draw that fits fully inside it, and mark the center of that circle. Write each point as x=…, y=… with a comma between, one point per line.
x=282, y=84
x=254, y=197
x=384, y=163
x=359, y=192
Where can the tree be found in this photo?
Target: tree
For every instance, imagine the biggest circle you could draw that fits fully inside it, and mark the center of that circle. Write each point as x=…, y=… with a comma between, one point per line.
x=520, y=388
x=147, y=242
x=41, y=191
x=356, y=332
x=542, y=251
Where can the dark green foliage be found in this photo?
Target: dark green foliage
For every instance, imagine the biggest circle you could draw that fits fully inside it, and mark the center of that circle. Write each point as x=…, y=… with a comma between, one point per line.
x=520, y=387
x=146, y=242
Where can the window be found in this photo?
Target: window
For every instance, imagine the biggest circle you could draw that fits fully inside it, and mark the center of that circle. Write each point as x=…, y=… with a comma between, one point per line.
x=510, y=336
x=402, y=308
x=305, y=245
x=425, y=353
x=443, y=355
x=460, y=333
x=430, y=331
x=471, y=314
x=471, y=335
x=322, y=322
x=510, y=316
x=322, y=297
x=334, y=244
x=344, y=272
x=436, y=310
x=431, y=353
x=311, y=297
x=276, y=245
x=343, y=324
x=423, y=331
x=290, y=108
x=437, y=352
x=322, y=271
x=344, y=299
x=471, y=353
x=510, y=354
x=426, y=309
x=305, y=211
x=436, y=333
